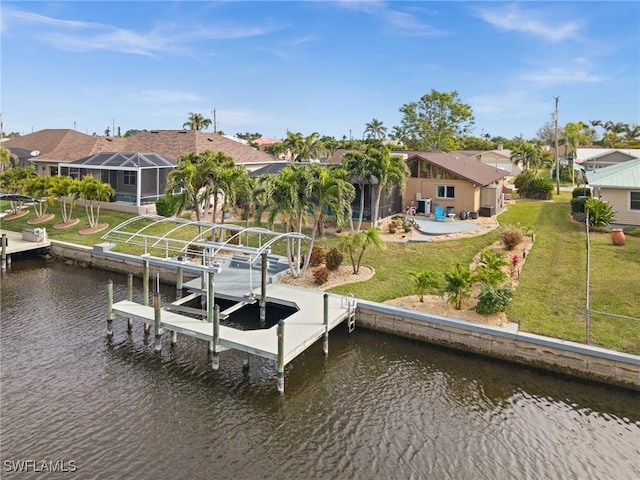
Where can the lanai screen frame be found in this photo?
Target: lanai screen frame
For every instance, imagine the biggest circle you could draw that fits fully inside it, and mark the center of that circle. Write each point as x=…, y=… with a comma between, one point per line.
x=210, y=249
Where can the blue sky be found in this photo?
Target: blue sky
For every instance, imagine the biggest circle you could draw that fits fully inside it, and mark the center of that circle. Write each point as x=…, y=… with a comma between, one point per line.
x=329, y=67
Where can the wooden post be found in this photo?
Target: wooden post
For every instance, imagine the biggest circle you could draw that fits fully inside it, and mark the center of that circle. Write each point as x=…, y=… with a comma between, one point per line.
x=325, y=339
x=110, y=308
x=263, y=291
x=179, y=282
x=280, y=365
x=215, y=362
x=210, y=301
x=157, y=321
x=145, y=290
x=130, y=298
x=4, y=251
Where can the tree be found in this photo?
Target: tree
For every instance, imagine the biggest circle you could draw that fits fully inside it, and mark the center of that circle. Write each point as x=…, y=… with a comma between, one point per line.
x=65, y=188
x=7, y=158
x=437, y=121
x=192, y=176
x=475, y=143
x=356, y=243
x=41, y=189
x=424, y=281
x=197, y=122
x=13, y=181
x=93, y=192
x=390, y=170
x=358, y=165
x=375, y=129
x=133, y=132
x=459, y=281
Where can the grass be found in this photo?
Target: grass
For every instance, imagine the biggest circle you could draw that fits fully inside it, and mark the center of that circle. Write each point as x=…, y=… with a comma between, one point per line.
x=550, y=299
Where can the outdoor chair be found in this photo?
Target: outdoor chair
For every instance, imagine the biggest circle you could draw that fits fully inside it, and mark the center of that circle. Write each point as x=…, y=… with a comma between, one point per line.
x=439, y=214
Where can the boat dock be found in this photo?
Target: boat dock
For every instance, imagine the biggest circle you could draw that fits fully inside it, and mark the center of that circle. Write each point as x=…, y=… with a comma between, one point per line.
x=27, y=241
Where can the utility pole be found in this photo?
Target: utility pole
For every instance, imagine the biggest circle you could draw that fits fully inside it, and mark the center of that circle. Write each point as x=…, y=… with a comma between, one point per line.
x=215, y=127
x=555, y=117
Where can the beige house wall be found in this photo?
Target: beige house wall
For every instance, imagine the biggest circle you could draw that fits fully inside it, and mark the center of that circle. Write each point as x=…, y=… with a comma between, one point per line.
x=467, y=197
x=618, y=198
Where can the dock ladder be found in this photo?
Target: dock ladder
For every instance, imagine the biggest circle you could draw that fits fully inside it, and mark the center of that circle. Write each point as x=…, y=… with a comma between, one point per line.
x=349, y=302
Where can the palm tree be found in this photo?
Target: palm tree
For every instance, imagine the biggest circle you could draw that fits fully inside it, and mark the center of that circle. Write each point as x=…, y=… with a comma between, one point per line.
x=293, y=145
x=13, y=181
x=355, y=243
x=93, y=192
x=358, y=165
x=311, y=147
x=197, y=122
x=7, y=158
x=192, y=176
x=65, y=188
x=459, y=282
x=424, y=281
x=40, y=188
x=390, y=170
x=375, y=129
x=632, y=132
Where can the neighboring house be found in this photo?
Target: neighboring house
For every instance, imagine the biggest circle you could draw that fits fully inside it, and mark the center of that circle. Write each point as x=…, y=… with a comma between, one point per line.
x=608, y=158
x=499, y=158
x=619, y=185
x=137, y=178
x=454, y=181
x=55, y=146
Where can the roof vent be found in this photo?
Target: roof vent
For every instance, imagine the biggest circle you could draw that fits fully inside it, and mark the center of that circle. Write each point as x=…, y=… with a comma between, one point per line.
x=155, y=131
x=182, y=131
x=210, y=139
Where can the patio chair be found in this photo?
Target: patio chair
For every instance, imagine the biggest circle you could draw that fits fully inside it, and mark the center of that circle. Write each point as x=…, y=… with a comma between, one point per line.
x=439, y=214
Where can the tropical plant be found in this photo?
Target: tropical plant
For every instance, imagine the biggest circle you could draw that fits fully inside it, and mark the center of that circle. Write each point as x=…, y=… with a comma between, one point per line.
x=493, y=299
x=355, y=244
x=65, y=189
x=390, y=170
x=333, y=259
x=197, y=122
x=600, y=213
x=41, y=189
x=459, y=281
x=358, y=165
x=12, y=181
x=438, y=121
x=424, y=281
x=490, y=267
x=93, y=192
x=7, y=158
x=375, y=129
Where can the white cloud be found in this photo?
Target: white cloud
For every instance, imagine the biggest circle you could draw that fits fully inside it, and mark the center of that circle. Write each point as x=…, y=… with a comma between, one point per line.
x=535, y=22
x=513, y=103
x=562, y=75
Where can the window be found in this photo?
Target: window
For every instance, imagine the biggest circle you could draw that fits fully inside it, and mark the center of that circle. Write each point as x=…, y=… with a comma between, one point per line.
x=634, y=200
x=445, y=191
x=129, y=178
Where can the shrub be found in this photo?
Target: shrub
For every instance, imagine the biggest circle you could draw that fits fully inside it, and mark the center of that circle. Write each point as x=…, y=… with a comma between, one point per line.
x=531, y=186
x=600, y=213
x=578, y=204
x=424, y=281
x=632, y=231
x=320, y=275
x=170, y=205
x=511, y=237
x=333, y=259
x=581, y=192
x=492, y=299
x=317, y=256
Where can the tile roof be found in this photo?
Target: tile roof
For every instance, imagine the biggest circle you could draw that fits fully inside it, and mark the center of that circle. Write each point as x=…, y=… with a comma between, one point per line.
x=462, y=166
x=622, y=175
x=58, y=145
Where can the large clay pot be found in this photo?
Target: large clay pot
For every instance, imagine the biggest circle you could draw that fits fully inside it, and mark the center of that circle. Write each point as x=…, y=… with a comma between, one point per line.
x=617, y=236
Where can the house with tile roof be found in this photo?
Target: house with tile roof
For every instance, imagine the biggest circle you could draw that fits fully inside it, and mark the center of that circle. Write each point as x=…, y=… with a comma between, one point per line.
x=57, y=146
x=498, y=158
x=619, y=185
x=606, y=157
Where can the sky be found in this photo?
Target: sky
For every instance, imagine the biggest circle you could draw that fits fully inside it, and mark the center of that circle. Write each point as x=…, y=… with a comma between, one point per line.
x=314, y=66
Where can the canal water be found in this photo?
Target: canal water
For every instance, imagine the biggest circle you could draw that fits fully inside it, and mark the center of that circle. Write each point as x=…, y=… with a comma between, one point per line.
x=378, y=407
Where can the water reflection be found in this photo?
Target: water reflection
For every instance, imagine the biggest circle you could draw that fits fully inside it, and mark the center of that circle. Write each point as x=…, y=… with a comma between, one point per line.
x=377, y=407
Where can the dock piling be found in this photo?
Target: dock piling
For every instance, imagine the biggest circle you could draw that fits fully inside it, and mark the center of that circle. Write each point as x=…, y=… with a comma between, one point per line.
x=280, y=365
x=4, y=251
x=215, y=361
x=210, y=303
x=179, y=282
x=130, y=298
x=263, y=291
x=325, y=338
x=110, y=308
x=145, y=290
x=174, y=337
x=157, y=321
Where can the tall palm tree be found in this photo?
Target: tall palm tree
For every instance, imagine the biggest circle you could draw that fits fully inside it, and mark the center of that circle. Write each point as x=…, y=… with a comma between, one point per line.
x=65, y=188
x=311, y=148
x=375, y=129
x=390, y=170
x=293, y=145
x=197, y=122
x=40, y=188
x=358, y=165
x=192, y=176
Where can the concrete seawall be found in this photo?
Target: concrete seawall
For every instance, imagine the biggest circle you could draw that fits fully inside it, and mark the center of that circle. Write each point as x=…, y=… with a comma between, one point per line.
x=569, y=358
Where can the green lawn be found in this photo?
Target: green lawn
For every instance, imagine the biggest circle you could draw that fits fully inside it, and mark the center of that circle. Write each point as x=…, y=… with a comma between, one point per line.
x=551, y=296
